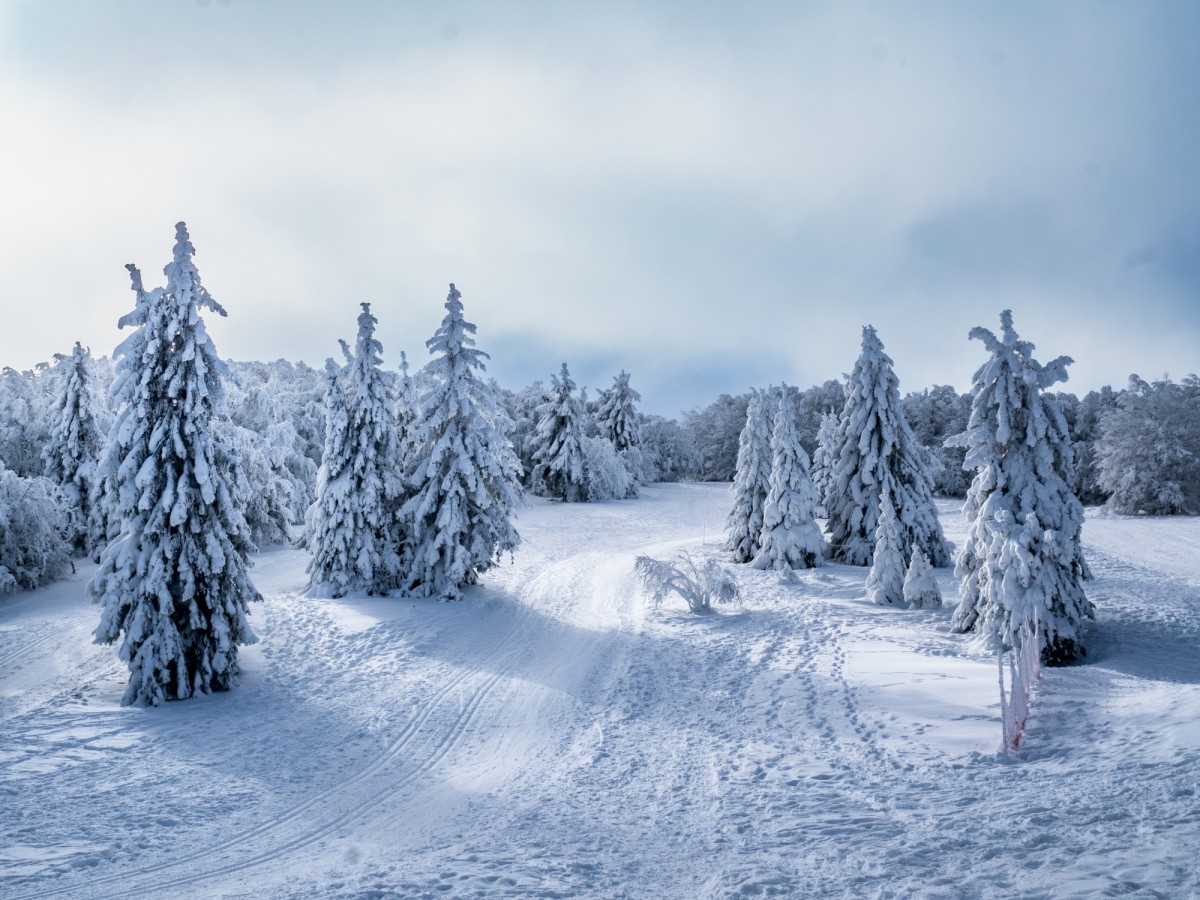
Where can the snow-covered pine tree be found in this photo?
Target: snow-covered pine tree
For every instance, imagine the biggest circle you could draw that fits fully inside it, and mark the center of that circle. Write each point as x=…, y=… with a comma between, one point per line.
x=466, y=479
x=330, y=520
x=921, y=589
x=558, y=462
x=176, y=581
x=791, y=537
x=885, y=581
x=823, y=457
x=79, y=424
x=752, y=481
x=355, y=535
x=1022, y=558
x=875, y=443
x=618, y=419
x=406, y=404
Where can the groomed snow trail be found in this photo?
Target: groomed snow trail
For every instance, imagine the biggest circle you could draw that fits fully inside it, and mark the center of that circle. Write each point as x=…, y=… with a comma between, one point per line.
x=552, y=736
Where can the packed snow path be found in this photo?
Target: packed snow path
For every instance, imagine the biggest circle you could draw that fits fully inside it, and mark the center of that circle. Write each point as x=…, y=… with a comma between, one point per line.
x=553, y=736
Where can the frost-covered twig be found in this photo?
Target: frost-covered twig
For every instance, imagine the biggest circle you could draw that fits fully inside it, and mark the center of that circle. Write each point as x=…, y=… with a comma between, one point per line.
x=699, y=585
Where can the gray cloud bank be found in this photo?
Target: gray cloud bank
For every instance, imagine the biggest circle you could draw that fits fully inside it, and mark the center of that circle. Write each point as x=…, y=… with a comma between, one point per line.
x=709, y=197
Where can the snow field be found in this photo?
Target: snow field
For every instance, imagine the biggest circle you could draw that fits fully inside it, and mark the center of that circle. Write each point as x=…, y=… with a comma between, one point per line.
x=553, y=735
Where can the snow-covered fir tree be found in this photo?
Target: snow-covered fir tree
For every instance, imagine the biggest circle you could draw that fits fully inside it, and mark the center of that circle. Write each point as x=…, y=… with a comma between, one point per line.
x=79, y=423
x=885, y=581
x=617, y=416
x=175, y=583
x=823, y=456
x=330, y=521
x=354, y=533
x=752, y=480
x=874, y=443
x=406, y=406
x=921, y=589
x=466, y=479
x=1022, y=559
x=791, y=537
x=558, y=460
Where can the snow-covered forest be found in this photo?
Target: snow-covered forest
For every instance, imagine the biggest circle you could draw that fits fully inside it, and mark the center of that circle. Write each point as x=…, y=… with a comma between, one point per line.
x=279, y=537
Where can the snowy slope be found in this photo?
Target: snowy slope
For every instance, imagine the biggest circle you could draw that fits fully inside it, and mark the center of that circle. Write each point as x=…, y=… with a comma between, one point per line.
x=553, y=736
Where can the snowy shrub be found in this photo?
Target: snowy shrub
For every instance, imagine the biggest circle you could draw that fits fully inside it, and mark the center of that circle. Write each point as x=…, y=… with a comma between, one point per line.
x=700, y=585
x=921, y=589
x=605, y=474
x=33, y=522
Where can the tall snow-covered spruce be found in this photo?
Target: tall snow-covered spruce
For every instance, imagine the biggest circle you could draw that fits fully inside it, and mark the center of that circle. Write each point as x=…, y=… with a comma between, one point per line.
x=791, y=537
x=465, y=477
x=752, y=480
x=175, y=582
x=355, y=536
x=875, y=444
x=823, y=457
x=1022, y=560
x=79, y=425
x=558, y=460
x=617, y=417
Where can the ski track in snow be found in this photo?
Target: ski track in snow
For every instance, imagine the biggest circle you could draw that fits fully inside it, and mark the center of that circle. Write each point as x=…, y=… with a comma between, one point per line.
x=553, y=736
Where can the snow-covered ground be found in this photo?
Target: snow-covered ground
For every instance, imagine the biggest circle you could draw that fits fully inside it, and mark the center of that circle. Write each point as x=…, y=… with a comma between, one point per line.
x=554, y=736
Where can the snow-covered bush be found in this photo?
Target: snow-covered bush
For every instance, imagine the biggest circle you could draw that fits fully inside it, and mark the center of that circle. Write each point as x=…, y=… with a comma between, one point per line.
x=752, y=480
x=33, y=522
x=606, y=476
x=176, y=582
x=462, y=474
x=875, y=445
x=791, y=537
x=921, y=589
x=1022, y=560
x=699, y=584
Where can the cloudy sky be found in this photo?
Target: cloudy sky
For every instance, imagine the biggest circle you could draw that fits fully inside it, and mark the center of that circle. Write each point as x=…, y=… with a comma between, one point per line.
x=708, y=195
